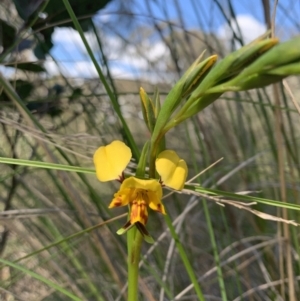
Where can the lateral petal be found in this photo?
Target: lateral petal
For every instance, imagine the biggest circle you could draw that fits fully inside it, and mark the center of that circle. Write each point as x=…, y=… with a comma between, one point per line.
x=172, y=169
x=121, y=198
x=155, y=202
x=111, y=160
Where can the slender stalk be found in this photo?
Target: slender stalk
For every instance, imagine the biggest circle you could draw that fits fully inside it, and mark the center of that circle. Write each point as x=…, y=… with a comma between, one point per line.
x=134, y=252
x=135, y=238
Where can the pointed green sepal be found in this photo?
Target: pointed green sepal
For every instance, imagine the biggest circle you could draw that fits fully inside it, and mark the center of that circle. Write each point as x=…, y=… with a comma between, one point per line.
x=125, y=228
x=142, y=229
x=147, y=237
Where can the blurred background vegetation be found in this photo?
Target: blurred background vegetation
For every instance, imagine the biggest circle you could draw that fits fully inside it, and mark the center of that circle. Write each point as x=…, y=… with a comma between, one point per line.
x=149, y=44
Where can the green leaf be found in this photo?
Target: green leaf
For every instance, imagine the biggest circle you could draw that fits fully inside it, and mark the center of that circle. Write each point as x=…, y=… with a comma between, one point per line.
x=23, y=89
x=44, y=46
x=148, y=110
x=26, y=8
x=56, y=14
x=46, y=165
x=7, y=35
x=33, y=67
x=221, y=193
x=286, y=70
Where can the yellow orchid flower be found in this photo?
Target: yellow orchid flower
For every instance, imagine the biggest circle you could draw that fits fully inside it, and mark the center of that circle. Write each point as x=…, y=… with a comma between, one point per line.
x=110, y=162
x=138, y=194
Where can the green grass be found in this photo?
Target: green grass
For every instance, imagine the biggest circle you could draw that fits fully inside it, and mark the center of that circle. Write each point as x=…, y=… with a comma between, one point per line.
x=226, y=239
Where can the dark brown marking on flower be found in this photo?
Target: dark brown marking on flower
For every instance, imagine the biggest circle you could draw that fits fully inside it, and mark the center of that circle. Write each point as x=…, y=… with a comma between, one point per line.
x=121, y=178
x=134, y=210
x=118, y=201
x=160, y=181
x=139, y=210
x=145, y=197
x=144, y=214
x=142, y=229
x=127, y=225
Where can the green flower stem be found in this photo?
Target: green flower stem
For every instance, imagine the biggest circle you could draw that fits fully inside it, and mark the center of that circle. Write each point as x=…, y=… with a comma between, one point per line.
x=135, y=238
x=152, y=158
x=155, y=147
x=134, y=252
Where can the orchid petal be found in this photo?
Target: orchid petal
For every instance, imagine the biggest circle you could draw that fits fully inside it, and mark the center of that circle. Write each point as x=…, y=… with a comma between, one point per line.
x=146, y=185
x=121, y=198
x=155, y=203
x=172, y=169
x=111, y=160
